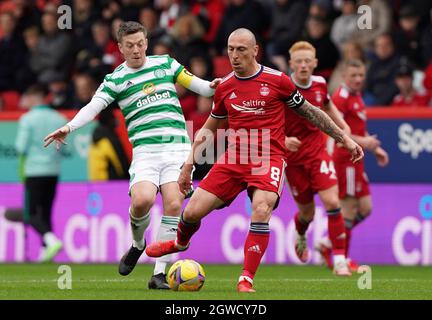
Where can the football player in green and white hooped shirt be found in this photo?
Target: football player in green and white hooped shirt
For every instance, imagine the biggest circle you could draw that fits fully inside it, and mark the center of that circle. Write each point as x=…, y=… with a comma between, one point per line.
x=143, y=86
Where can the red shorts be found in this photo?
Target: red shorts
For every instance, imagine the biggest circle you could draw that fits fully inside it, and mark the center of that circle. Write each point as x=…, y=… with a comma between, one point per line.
x=307, y=179
x=352, y=179
x=226, y=181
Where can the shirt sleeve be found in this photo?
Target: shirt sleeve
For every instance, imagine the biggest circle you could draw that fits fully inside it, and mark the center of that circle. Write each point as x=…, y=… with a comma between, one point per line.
x=340, y=102
x=175, y=67
x=219, y=110
x=290, y=94
x=107, y=91
x=22, y=141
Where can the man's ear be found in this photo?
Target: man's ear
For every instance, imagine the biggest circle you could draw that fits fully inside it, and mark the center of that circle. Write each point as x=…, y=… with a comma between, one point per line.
x=120, y=47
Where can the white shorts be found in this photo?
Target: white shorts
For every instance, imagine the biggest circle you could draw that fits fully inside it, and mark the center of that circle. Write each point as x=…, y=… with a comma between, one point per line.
x=157, y=168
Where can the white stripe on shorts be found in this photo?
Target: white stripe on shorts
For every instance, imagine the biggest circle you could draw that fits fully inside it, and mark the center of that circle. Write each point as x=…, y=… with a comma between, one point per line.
x=350, y=179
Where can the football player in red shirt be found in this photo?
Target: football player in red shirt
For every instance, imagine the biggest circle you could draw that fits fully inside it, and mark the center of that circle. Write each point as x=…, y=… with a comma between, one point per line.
x=352, y=179
x=310, y=168
x=253, y=98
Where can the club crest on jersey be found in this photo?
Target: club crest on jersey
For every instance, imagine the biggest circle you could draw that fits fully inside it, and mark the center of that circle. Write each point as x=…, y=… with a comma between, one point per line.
x=159, y=73
x=264, y=90
x=149, y=88
x=318, y=96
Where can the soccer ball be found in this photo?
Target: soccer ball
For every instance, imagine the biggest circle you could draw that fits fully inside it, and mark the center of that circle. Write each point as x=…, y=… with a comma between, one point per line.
x=186, y=275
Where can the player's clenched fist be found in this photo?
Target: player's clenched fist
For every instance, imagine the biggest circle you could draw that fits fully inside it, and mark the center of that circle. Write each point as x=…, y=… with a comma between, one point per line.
x=58, y=136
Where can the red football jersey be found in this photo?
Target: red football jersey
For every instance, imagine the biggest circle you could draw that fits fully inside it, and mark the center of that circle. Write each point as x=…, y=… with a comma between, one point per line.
x=312, y=138
x=255, y=107
x=416, y=100
x=352, y=107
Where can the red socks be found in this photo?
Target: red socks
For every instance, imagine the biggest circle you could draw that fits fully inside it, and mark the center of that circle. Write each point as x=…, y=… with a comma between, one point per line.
x=336, y=231
x=255, y=247
x=185, y=231
x=301, y=224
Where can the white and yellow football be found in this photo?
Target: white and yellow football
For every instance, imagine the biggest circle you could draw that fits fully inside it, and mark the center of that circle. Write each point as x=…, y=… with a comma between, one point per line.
x=186, y=275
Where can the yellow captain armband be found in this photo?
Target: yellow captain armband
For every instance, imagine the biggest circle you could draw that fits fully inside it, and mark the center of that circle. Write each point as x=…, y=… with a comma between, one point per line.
x=185, y=78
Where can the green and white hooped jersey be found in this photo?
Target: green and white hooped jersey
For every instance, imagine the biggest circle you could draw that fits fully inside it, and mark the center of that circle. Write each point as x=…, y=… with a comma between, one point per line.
x=148, y=100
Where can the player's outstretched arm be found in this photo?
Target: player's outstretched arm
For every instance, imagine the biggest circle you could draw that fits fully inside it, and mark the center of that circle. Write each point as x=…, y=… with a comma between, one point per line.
x=84, y=116
x=58, y=136
x=323, y=122
x=196, y=84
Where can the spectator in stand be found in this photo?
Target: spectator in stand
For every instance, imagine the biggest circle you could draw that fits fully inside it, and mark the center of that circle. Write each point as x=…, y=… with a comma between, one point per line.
x=282, y=34
x=84, y=89
x=53, y=53
x=427, y=81
x=84, y=14
x=201, y=67
x=26, y=14
x=380, y=79
x=210, y=13
x=148, y=17
x=11, y=53
x=426, y=42
x=163, y=46
x=351, y=50
x=59, y=93
x=408, y=36
x=249, y=14
x=187, y=40
x=381, y=23
x=345, y=25
x=25, y=75
x=408, y=96
x=102, y=56
x=170, y=10
x=326, y=52
x=321, y=8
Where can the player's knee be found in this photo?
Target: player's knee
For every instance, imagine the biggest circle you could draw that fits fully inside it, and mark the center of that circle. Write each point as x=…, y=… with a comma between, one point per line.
x=191, y=213
x=261, y=212
x=173, y=207
x=332, y=203
x=307, y=213
x=141, y=204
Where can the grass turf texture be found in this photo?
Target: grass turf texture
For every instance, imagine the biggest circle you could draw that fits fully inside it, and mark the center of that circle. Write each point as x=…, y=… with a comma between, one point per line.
x=275, y=282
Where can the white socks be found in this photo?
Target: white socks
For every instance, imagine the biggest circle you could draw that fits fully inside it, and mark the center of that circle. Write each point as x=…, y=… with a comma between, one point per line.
x=167, y=231
x=138, y=226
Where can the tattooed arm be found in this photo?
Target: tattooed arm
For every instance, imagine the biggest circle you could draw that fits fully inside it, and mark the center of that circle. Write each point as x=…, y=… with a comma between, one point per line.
x=323, y=122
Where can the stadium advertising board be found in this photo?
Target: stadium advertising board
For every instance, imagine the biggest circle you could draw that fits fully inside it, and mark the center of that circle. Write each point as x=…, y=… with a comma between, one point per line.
x=74, y=166
x=92, y=221
x=409, y=144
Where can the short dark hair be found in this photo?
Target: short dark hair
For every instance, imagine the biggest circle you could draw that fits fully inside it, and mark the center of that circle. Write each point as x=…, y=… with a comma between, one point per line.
x=130, y=27
x=36, y=89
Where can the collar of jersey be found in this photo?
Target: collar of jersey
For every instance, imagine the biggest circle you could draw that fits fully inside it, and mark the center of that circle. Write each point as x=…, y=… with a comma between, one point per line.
x=299, y=85
x=252, y=76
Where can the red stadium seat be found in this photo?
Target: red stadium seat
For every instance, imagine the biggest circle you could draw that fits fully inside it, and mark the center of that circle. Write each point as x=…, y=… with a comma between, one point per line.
x=221, y=66
x=9, y=100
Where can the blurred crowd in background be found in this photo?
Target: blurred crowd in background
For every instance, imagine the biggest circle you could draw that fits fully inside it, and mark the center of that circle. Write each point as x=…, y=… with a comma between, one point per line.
x=72, y=62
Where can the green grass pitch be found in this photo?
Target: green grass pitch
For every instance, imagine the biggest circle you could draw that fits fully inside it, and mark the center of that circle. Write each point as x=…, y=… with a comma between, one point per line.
x=275, y=282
